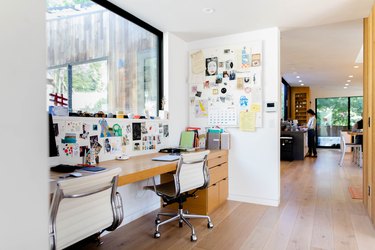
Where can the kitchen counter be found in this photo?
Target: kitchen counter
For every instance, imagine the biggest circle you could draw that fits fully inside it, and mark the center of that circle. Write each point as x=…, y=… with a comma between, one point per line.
x=300, y=146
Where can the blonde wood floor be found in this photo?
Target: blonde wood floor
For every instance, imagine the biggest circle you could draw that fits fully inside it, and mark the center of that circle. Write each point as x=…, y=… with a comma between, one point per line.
x=316, y=212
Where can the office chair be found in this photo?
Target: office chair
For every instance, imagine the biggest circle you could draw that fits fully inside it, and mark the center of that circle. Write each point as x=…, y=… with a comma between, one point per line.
x=85, y=206
x=191, y=175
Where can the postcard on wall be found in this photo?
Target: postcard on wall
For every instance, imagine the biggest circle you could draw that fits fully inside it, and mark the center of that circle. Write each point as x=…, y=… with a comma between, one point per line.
x=197, y=62
x=201, y=108
x=136, y=127
x=255, y=60
x=211, y=66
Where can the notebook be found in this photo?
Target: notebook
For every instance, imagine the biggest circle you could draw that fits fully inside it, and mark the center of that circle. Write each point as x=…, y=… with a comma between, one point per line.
x=187, y=139
x=166, y=158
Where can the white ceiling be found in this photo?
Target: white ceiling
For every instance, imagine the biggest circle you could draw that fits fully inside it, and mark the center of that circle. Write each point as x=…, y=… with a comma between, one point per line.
x=320, y=40
x=187, y=20
x=323, y=56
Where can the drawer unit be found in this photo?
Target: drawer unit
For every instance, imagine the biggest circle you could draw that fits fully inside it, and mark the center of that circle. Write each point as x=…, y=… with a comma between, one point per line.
x=209, y=199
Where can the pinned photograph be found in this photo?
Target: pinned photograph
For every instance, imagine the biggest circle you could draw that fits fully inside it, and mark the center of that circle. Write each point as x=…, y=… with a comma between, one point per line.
x=221, y=64
x=215, y=91
x=225, y=74
x=107, y=145
x=255, y=60
x=219, y=78
x=194, y=89
x=198, y=94
x=143, y=128
x=232, y=75
x=83, y=150
x=229, y=65
x=85, y=133
x=240, y=82
x=56, y=129
x=136, y=131
x=166, y=130
x=136, y=146
x=128, y=129
x=125, y=140
x=95, y=127
x=206, y=85
x=211, y=66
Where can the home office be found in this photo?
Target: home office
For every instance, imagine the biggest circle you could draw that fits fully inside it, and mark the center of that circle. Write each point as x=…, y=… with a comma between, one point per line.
x=253, y=171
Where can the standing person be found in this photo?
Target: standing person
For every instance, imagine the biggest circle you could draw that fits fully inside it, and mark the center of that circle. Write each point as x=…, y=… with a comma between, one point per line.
x=358, y=126
x=311, y=127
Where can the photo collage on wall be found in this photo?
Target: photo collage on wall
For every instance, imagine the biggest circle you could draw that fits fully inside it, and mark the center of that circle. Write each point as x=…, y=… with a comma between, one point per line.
x=225, y=82
x=105, y=139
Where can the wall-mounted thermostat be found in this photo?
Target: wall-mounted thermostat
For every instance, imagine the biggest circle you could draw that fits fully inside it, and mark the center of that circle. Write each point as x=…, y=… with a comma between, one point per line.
x=271, y=107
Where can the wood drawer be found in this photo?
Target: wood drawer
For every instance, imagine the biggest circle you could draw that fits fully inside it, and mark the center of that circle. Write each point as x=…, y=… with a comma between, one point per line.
x=218, y=173
x=219, y=159
x=223, y=190
x=212, y=198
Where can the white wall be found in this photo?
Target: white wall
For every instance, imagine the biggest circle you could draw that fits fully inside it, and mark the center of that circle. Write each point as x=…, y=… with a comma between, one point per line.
x=319, y=92
x=254, y=158
x=23, y=126
x=175, y=85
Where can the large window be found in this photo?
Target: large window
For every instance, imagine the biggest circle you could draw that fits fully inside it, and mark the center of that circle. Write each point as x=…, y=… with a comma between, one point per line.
x=102, y=58
x=334, y=115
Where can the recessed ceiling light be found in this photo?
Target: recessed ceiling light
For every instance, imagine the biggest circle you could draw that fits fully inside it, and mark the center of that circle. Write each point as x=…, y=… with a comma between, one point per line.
x=345, y=87
x=298, y=77
x=356, y=66
x=302, y=84
x=300, y=81
x=350, y=76
x=208, y=10
x=346, y=84
x=348, y=80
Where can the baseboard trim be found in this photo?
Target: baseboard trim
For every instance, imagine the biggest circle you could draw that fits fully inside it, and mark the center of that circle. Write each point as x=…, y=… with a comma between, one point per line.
x=140, y=213
x=254, y=200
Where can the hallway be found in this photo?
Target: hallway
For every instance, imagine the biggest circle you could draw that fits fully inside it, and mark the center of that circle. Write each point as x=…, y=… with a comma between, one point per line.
x=316, y=212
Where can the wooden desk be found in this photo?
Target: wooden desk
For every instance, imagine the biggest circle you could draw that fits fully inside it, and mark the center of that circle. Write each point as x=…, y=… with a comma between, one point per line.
x=142, y=167
x=135, y=169
x=354, y=133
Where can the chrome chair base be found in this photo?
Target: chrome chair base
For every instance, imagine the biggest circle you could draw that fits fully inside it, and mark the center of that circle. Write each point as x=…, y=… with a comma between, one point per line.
x=182, y=217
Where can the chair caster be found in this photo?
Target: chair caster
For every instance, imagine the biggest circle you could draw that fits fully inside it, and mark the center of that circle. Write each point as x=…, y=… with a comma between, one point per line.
x=156, y=235
x=193, y=237
x=157, y=221
x=180, y=223
x=210, y=225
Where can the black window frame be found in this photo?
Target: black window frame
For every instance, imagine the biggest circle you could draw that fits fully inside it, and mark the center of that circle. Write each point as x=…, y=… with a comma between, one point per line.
x=349, y=127
x=130, y=17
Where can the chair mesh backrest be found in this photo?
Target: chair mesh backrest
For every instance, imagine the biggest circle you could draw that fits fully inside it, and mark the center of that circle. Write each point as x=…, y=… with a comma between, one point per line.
x=78, y=218
x=192, y=171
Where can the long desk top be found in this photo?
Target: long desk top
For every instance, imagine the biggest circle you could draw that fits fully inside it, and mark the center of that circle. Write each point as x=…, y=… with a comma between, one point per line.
x=139, y=168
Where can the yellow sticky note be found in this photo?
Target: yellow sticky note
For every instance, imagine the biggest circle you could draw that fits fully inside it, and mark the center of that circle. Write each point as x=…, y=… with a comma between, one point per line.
x=255, y=107
x=247, y=121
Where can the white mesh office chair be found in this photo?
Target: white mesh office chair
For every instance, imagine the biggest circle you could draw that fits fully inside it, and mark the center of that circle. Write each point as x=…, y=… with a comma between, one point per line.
x=191, y=175
x=85, y=206
x=357, y=150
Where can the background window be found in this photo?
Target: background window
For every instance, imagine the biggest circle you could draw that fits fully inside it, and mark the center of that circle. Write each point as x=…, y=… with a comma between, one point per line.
x=100, y=60
x=336, y=114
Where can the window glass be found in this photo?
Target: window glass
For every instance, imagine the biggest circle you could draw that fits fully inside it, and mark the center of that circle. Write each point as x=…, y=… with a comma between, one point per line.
x=110, y=62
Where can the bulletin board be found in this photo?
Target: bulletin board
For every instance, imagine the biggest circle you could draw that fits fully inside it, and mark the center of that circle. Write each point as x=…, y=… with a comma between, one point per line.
x=108, y=137
x=226, y=86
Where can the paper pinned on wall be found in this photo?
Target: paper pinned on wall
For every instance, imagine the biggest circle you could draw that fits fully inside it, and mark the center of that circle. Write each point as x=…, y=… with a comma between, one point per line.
x=197, y=62
x=247, y=121
x=255, y=107
x=201, y=108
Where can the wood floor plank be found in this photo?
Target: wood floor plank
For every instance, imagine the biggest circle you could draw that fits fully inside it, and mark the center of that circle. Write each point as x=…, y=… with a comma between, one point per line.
x=315, y=212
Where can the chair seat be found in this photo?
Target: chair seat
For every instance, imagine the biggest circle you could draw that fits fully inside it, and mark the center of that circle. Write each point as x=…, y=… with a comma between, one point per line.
x=167, y=189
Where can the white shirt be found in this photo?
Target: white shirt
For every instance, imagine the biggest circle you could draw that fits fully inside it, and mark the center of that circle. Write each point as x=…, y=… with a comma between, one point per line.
x=311, y=123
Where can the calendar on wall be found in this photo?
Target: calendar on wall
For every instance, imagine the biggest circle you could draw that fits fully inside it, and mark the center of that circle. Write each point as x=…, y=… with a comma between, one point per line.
x=224, y=82
x=223, y=117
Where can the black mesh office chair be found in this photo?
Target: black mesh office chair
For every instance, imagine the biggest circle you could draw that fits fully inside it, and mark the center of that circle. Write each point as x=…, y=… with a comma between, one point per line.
x=191, y=175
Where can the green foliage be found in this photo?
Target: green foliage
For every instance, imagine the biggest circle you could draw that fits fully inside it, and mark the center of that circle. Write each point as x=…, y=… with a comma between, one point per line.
x=334, y=111
x=64, y=3
x=88, y=77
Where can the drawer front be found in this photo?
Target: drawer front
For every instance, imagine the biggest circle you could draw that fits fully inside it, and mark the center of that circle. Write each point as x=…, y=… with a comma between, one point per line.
x=217, y=160
x=212, y=198
x=223, y=190
x=218, y=173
